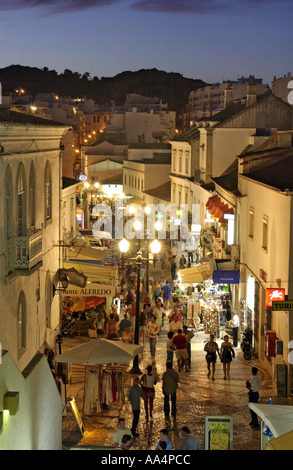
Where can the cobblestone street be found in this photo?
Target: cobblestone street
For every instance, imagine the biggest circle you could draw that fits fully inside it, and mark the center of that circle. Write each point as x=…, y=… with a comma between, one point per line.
x=197, y=396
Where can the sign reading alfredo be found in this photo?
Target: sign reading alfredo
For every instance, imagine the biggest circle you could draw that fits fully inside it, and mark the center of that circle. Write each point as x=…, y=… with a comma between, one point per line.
x=274, y=294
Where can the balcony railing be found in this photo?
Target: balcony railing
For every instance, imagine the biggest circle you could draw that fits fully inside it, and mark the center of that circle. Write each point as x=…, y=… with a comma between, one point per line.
x=29, y=250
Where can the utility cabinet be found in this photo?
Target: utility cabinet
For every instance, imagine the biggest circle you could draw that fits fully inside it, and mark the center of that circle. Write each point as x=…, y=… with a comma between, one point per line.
x=279, y=377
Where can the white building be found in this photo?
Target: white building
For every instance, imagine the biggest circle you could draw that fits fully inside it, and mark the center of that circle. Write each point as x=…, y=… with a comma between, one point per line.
x=257, y=188
x=212, y=99
x=31, y=191
x=143, y=127
x=282, y=87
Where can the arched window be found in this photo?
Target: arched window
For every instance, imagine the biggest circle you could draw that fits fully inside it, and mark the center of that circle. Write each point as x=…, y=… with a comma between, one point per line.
x=8, y=222
x=21, y=202
x=48, y=193
x=21, y=324
x=8, y=203
x=32, y=197
x=48, y=299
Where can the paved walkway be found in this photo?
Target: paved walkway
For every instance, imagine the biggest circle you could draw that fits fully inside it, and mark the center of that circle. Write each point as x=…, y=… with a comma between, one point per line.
x=197, y=397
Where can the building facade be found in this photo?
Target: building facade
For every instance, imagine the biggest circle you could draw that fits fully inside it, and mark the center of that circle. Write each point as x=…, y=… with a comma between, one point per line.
x=31, y=191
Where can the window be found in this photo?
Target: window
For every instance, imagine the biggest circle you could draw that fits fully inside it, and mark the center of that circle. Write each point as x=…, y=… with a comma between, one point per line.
x=32, y=197
x=48, y=300
x=21, y=202
x=174, y=160
x=265, y=222
x=251, y=223
x=187, y=161
x=48, y=193
x=180, y=164
x=21, y=324
x=8, y=203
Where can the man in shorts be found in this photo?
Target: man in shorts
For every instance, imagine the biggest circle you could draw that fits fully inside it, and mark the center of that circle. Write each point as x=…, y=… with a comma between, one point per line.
x=179, y=342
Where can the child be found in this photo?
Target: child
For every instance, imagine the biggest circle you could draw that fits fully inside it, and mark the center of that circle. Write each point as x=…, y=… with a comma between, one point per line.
x=170, y=346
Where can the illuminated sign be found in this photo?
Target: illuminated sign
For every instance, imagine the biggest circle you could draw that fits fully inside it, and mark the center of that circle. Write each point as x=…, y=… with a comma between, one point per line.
x=82, y=177
x=91, y=289
x=218, y=433
x=279, y=306
x=274, y=294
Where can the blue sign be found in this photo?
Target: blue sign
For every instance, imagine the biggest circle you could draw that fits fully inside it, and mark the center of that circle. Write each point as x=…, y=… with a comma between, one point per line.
x=226, y=277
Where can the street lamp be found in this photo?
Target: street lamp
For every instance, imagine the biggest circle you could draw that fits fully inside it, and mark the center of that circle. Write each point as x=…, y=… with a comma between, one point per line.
x=124, y=247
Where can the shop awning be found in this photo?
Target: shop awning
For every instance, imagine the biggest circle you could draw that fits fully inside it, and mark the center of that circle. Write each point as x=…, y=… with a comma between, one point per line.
x=222, y=219
x=194, y=275
x=218, y=208
x=95, y=272
x=212, y=202
x=87, y=255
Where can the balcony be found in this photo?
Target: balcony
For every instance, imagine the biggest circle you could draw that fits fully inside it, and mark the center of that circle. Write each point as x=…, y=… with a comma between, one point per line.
x=28, y=252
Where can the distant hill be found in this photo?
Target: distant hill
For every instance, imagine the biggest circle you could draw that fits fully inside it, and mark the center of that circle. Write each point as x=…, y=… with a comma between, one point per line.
x=172, y=88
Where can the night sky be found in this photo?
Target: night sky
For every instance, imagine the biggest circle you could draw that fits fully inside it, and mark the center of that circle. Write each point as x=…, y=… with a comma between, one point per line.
x=212, y=40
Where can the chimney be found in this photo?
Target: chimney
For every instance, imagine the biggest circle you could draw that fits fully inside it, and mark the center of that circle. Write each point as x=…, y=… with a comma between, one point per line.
x=251, y=94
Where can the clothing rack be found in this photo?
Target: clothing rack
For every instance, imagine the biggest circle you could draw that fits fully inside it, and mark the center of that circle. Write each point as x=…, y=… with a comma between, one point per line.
x=103, y=386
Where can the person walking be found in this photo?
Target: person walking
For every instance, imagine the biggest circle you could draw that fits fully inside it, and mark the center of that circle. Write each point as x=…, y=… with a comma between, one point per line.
x=189, y=442
x=235, y=328
x=253, y=387
x=226, y=353
x=188, y=335
x=174, y=251
x=182, y=262
x=179, y=342
x=170, y=346
x=189, y=250
x=134, y=396
x=212, y=349
x=158, y=312
x=148, y=382
x=153, y=330
x=167, y=290
x=170, y=380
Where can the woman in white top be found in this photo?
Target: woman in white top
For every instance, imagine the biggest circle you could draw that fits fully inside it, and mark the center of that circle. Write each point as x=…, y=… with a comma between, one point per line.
x=148, y=382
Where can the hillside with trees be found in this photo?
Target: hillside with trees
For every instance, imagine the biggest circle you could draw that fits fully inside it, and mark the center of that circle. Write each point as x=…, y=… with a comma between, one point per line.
x=171, y=88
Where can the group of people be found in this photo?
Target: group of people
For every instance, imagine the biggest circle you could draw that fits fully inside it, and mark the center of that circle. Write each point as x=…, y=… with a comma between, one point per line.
x=123, y=438
x=144, y=388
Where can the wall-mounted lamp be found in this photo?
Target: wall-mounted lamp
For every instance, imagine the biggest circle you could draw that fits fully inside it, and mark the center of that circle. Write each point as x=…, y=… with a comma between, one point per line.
x=64, y=282
x=11, y=402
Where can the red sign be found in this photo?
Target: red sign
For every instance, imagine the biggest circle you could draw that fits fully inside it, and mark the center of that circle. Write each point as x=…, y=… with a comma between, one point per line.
x=274, y=294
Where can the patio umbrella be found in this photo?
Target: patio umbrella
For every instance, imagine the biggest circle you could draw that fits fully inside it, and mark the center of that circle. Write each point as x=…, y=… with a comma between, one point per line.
x=278, y=418
x=100, y=351
x=86, y=303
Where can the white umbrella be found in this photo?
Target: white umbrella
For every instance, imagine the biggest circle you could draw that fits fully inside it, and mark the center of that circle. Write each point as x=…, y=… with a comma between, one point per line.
x=100, y=351
x=278, y=418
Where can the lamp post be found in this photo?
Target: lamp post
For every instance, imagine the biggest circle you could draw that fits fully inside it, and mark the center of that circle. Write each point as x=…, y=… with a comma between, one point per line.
x=155, y=248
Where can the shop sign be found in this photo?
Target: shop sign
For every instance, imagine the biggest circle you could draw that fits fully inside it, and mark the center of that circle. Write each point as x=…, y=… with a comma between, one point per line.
x=90, y=290
x=218, y=433
x=274, y=295
x=282, y=306
x=226, y=277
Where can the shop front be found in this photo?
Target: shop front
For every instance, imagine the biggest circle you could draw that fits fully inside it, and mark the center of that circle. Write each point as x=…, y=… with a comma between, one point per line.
x=210, y=297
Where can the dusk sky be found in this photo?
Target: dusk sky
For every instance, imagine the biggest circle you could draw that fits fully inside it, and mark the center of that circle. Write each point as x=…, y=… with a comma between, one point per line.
x=213, y=40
